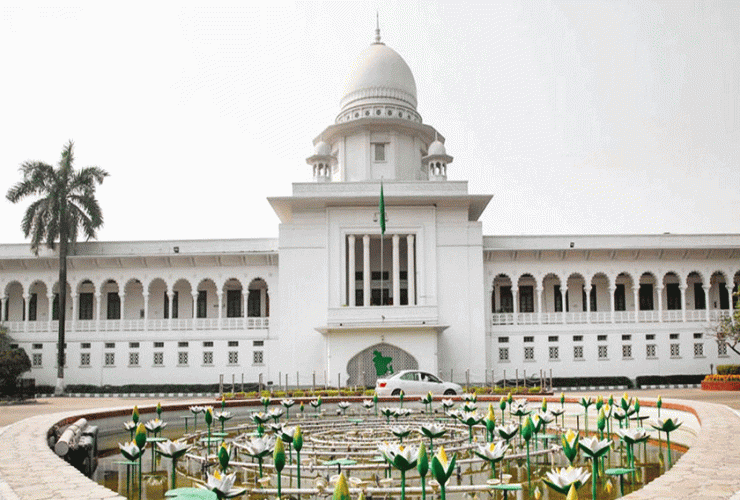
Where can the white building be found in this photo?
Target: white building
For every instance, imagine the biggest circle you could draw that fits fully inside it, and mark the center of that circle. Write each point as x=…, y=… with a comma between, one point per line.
x=314, y=300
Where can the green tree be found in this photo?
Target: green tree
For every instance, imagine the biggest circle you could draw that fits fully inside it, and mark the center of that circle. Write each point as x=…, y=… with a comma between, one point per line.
x=13, y=363
x=64, y=204
x=727, y=330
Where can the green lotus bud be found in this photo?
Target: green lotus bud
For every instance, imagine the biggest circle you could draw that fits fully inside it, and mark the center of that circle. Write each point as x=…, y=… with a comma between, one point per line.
x=572, y=493
x=527, y=429
x=341, y=492
x=442, y=468
x=209, y=416
x=502, y=403
x=422, y=461
x=601, y=421
x=159, y=410
x=599, y=402
x=562, y=398
x=223, y=456
x=279, y=454
x=223, y=402
x=509, y=398
x=611, y=400
x=135, y=415
x=490, y=419
x=375, y=398
x=544, y=405
x=140, y=436
x=302, y=407
x=659, y=404
x=637, y=405
x=298, y=439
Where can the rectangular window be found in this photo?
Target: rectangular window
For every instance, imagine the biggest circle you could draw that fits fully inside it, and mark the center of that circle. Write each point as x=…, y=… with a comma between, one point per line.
x=558, y=298
x=378, y=151
x=54, y=308
x=85, y=359
x=233, y=303
x=577, y=338
x=32, y=307
x=182, y=344
x=578, y=352
x=700, y=301
x=85, y=345
x=233, y=357
x=110, y=345
x=675, y=350
x=552, y=338
x=651, y=351
x=258, y=343
x=182, y=358
x=175, y=305
x=208, y=344
x=207, y=357
x=37, y=346
x=620, y=303
x=202, y=302
x=724, y=299
x=133, y=345
x=529, y=354
x=698, y=350
x=36, y=360
x=158, y=345
x=258, y=357
x=110, y=358
x=554, y=353
x=86, y=306
x=503, y=340
x=627, y=351
x=528, y=339
x=133, y=359
x=673, y=297
x=603, y=352
x=114, y=305
x=158, y=359
x=526, y=299
x=646, y=297
x=674, y=336
x=507, y=300
x=650, y=336
x=601, y=338
x=626, y=337
x=698, y=335
x=722, y=350
x=503, y=354
x=233, y=343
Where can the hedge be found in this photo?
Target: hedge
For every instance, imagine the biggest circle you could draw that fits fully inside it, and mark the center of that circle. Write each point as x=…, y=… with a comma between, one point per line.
x=644, y=380
x=591, y=382
x=728, y=369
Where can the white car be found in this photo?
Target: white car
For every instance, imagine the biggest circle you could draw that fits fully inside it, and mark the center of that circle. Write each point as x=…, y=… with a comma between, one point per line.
x=415, y=382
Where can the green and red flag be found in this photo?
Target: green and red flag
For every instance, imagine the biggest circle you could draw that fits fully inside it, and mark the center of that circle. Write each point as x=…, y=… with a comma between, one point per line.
x=381, y=210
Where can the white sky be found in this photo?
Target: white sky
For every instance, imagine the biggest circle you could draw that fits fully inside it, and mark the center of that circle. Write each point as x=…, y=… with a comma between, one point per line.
x=609, y=117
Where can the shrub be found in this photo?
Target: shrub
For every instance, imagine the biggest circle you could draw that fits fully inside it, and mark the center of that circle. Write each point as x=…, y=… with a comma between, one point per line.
x=534, y=390
x=299, y=393
x=728, y=369
x=668, y=379
x=369, y=392
x=722, y=378
x=279, y=394
x=498, y=390
x=13, y=362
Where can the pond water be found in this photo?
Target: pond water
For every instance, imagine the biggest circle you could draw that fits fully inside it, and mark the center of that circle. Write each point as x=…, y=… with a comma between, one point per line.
x=330, y=437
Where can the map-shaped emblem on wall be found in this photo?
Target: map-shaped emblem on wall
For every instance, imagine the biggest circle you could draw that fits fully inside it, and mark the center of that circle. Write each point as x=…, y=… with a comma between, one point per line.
x=383, y=364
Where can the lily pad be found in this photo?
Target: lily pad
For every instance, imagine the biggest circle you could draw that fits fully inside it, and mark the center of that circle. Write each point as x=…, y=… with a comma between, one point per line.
x=191, y=494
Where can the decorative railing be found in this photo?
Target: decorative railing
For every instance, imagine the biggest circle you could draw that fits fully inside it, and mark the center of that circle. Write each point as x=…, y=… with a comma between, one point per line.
x=601, y=317
x=140, y=325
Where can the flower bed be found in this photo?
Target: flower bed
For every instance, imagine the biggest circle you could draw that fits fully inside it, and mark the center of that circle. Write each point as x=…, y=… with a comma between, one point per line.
x=721, y=383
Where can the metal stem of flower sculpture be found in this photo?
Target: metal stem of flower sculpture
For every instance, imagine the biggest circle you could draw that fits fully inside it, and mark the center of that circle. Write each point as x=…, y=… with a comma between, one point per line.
x=297, y=445
x=594, y=449
x=442, y=470
x=140, y=439
x=526, y=434
x=422, y=467
x=375, y=403
x=586, y=402
x=668, y=425
x=209, y=421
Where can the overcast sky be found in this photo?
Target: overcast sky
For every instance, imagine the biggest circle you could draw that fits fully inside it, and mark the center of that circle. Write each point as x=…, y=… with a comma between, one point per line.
x=579, y=117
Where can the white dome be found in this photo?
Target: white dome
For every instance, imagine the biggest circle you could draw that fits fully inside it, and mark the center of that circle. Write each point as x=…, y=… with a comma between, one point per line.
x=378, y=76
x=322, y=149
x=436, y=148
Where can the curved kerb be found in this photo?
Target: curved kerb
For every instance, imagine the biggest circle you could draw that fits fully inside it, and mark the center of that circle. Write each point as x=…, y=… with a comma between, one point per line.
x=29, y=469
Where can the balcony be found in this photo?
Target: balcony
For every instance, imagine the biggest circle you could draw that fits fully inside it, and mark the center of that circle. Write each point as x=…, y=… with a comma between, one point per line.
x=602, y=317
x=140, y=325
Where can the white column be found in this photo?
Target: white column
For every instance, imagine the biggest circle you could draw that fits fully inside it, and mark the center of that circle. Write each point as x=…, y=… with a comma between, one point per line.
x=636, y=294
x=539, y=304
x=99, y=308
x=73, y=298
x=351, y=266
x=396, y=271
x=588, y=303
x=563, y=294
x=366, y=270
x=411, y=269
x=195, y=304
x=659, y=289
x=683, y=302
x=220, y=295
x=706, y=302
x=51, y=308
x=170, y=299
x=515, y=302
x=263, y=302
x=26, y=310
x=123, y=306
x=612, y=291
x=146, y=312
x=245, y=299
x=729, y=297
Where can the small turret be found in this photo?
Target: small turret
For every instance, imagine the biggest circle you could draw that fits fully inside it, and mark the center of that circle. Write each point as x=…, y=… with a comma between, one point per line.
x=436, y=161
x=321, y=162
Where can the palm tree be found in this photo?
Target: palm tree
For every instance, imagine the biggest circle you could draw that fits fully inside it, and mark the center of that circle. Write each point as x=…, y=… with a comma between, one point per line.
x=64, y=203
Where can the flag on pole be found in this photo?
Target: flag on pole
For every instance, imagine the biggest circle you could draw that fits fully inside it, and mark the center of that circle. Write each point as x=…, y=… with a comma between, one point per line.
x=381, y=210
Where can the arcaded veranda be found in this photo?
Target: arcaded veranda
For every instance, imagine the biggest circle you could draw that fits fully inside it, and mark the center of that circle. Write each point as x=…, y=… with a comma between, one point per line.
x=29, y=469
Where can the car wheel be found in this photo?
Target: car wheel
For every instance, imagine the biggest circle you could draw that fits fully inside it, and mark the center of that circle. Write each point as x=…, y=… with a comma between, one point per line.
x=396, y=392
x=450, y=392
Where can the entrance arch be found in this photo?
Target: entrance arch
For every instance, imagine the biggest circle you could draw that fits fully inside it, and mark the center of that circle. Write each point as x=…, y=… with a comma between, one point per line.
x=380, y=360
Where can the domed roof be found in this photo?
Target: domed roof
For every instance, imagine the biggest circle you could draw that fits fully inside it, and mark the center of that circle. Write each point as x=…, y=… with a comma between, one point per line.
x=436, y=148
x=380, y=75
x=322, y=149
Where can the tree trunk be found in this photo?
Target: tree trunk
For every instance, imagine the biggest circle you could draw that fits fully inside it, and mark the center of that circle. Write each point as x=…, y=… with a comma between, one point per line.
x=62, y=310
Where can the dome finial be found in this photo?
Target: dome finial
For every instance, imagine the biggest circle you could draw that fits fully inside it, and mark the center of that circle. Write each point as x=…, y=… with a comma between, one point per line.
x=377, y=27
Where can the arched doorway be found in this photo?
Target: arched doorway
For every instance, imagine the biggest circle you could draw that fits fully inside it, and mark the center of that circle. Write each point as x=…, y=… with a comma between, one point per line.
x=380, y=360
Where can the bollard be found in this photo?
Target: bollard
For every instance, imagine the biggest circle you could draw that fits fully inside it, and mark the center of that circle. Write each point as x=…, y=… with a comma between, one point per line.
x=313, y=386
x=297, y=380
x=504, y=379
x=221, y=384
x=286, y=382
x=242, y=381
x=339, y=381
x=233, y=383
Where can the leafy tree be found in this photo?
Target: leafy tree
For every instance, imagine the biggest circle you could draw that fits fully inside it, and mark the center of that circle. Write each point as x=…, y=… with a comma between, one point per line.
x=13, y=362
x=727, y=330
x=64, y=205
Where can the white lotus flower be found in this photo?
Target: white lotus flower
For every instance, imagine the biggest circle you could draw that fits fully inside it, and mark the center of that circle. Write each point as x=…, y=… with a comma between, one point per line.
x=593, y=447
x=223, y=485
x=155, y=425
x=172, y=449
x=447, y=403
x=632, y=436
x=223, y=416
x=432, y=430
x=130, y=425
x=344, y=404
x=197, y=409
x=400, y=456
x=287, y=403
x=546, y=417
x=367, y=403
x=561, y=479
x=130, y=451
x=277, y=428
x=259, y=447
x=493, y=452
x=276, y=412
x=557, y=411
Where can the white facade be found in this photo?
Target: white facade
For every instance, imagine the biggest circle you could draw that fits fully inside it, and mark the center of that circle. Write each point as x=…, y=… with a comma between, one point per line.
x=320, y=299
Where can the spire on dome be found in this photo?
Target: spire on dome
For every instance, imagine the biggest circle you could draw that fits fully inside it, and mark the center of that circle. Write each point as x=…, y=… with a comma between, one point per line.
x=377, y=27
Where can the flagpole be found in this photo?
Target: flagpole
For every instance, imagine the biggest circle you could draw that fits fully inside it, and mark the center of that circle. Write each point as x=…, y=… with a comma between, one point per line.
x=382, y=237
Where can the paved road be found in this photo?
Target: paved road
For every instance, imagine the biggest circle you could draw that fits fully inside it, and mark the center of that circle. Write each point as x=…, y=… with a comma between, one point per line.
x=15, y=412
